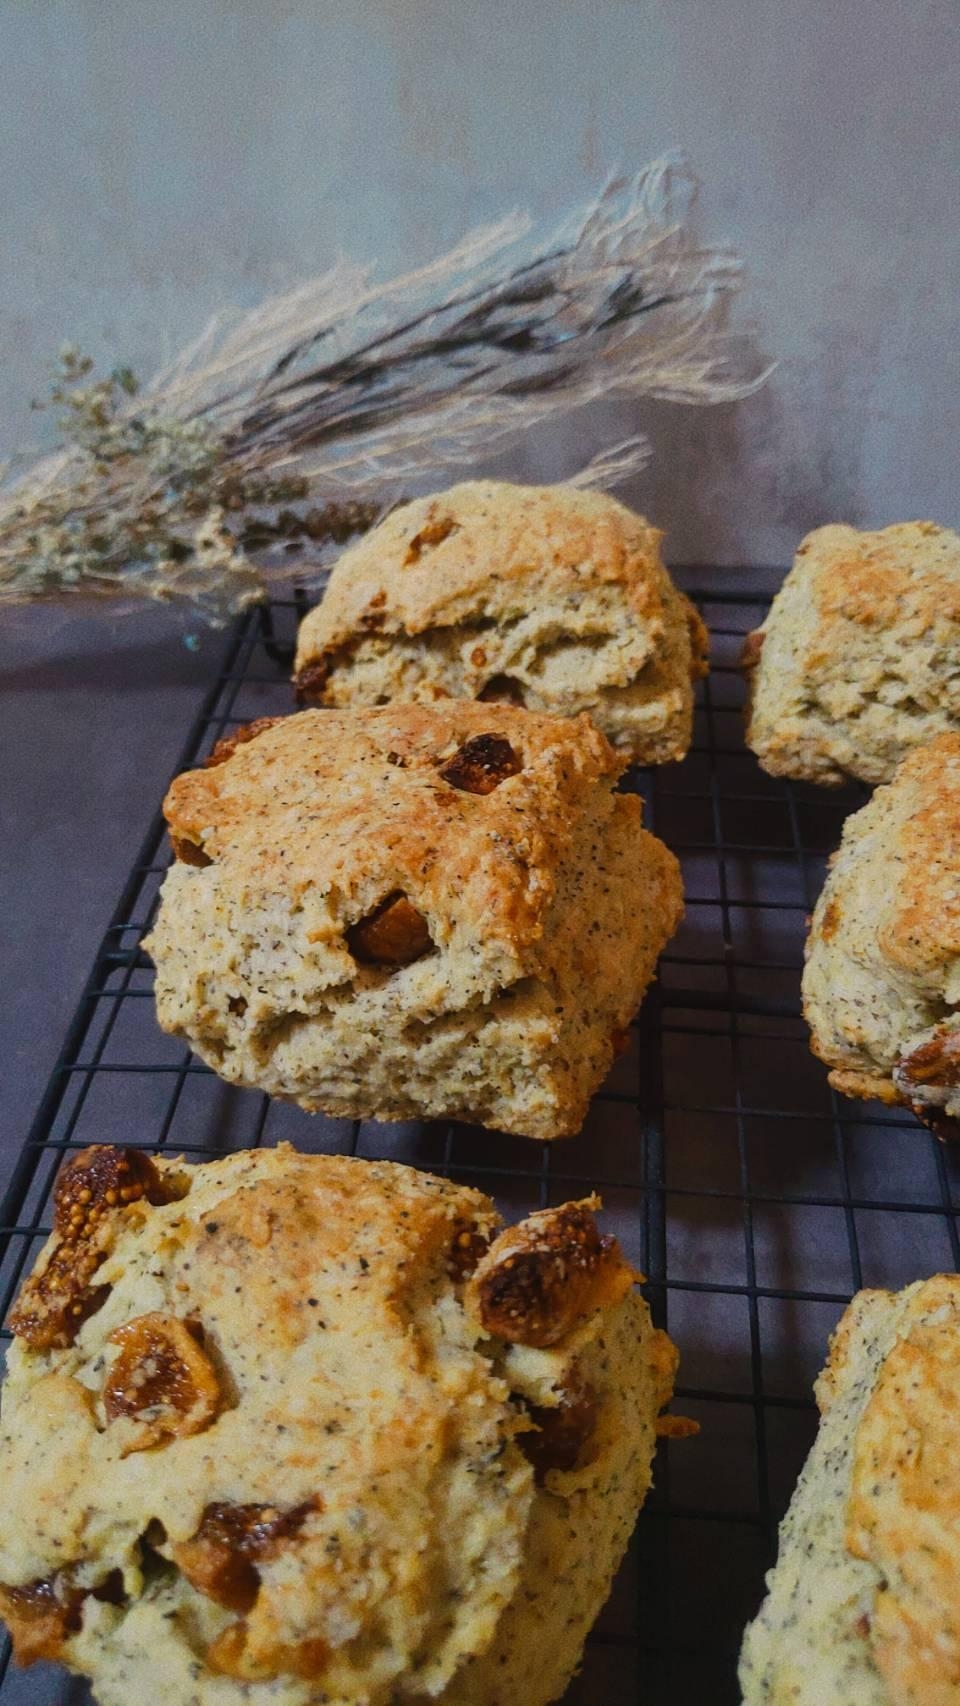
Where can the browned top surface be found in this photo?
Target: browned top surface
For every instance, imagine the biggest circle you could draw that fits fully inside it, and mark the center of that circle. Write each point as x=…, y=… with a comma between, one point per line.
x=907, y=575
x=356, y=802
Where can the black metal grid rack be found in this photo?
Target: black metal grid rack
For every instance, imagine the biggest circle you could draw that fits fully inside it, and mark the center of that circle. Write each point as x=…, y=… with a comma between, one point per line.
x=755, y=1200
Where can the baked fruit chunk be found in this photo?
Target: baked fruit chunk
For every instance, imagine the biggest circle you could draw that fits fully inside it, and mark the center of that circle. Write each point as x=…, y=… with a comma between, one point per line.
x=858, y=661
x=881, y=985
x=543, y=596
x=862, y=1608
x=415, y=911
x=362, y=1489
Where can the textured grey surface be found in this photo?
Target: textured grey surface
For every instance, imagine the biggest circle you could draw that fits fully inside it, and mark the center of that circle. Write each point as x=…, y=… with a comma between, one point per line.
x=93, y=711
x=160, y=161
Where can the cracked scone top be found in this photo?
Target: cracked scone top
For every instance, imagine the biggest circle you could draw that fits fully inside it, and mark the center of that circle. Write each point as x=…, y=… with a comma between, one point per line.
x=301, y=1429
x=858, y=661
x=862, y=1607
x=413, y=911
x=881, y=984
x=548, y=596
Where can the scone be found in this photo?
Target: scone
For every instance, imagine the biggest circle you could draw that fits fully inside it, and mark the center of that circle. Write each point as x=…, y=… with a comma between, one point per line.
x=420, y=911
x=304, y=1429
x=862, y=1607
x=881, y=985
x=858, y=661
x=544, y=596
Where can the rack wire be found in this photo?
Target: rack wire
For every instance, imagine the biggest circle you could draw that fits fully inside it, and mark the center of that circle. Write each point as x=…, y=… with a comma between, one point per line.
x=753, y=1198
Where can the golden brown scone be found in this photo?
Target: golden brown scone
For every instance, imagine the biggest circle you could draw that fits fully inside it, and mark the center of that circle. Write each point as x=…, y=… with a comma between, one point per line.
x=881, y=983
x=272, y=1456
x=858, y=661
x=862, y=1608
x=545, y=596
x=415, y=911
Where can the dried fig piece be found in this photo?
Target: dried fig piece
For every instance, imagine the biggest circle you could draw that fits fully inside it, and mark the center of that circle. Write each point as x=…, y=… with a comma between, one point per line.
x=830, y=920
x=101, y=1178
x=563, y=1431
x=752, y=647
x=227, y=745
x=228, y=1656
x=928, y=1080
x=94, y=1186
x=162, y=1379
x=469, y=1245
x=699, y=643
x=310, y=682
x=502, y=690
x=188, y=852
x=945, y=1127
x=395, y=934
x=481, y=764
x=434, y=531
x=933, y=1067
x=676, y=1427
x=40, y=1617
x=221, y=1558
x=541, y=1277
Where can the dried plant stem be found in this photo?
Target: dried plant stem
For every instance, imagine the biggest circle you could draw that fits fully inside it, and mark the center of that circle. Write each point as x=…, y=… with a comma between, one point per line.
x=344, y=392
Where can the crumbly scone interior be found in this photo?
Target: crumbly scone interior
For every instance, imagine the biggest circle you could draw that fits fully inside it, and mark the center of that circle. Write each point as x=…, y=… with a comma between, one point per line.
x=859, y=658
x=560, y=603
x=860, y=1609
x=592, y=656
x=147, y=1546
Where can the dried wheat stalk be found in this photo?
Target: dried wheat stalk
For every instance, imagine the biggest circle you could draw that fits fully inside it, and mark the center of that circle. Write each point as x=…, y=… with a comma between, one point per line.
x=348, y=392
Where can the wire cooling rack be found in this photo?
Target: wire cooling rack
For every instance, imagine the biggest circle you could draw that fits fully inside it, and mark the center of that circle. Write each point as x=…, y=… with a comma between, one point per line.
x=754, y=1199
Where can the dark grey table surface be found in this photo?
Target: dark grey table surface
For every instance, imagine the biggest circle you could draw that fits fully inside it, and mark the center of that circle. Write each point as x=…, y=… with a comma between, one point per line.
x=94, y=707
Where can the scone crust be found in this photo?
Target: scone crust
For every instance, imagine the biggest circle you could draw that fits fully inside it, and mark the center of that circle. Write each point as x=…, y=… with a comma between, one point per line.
x=357, y=800
x=360, y=1404
x=862, y=1605
x=545, y=901
x=856, y=663
x=580, y=1525
x=883, y=953
x=560, y=591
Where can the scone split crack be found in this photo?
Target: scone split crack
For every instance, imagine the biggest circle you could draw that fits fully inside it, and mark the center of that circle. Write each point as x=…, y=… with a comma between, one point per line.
x=358, y=1520
x=549, y=597
x=414, y=911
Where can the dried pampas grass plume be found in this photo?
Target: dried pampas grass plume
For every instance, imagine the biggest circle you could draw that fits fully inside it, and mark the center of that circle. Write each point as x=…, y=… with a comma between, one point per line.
x=345, y=393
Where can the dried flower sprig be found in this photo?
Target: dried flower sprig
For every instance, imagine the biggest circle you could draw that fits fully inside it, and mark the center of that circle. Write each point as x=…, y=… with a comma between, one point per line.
x=347, y=392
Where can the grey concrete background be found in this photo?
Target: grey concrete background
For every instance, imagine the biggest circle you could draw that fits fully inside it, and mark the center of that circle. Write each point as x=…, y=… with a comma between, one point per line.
x=160, y=159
